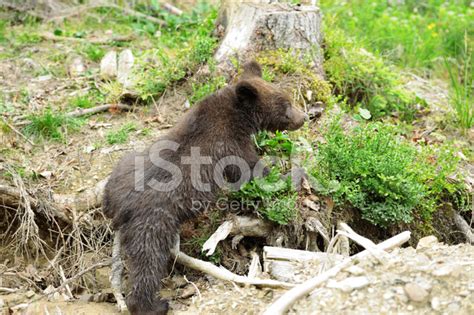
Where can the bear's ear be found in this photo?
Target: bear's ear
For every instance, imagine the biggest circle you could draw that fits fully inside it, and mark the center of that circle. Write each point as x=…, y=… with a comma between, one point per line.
x=252, y=69
x=246, y=92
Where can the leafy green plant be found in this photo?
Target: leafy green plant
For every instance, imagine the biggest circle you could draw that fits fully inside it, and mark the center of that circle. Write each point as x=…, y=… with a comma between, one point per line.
x=278, y=144
x=374, y=170
x=93, y=52
x=272, y=196
x=51, y=125
x=91, y=99
x=201, y=90
x=121, y=135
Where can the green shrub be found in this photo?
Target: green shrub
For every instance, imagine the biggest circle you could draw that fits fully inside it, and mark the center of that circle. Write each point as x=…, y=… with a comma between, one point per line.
x=365, y=80
x=384, y=176
x=51, y=125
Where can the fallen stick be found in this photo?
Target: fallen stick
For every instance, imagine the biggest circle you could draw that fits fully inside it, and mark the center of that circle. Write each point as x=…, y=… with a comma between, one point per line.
x=18, y=132
x=224, y=274
x=364, y=242
x=82, y=112
x=52, y=37
x=290, y=297
x=75, y=277
x=12, y=197
x=172, y=9
x=98, y=109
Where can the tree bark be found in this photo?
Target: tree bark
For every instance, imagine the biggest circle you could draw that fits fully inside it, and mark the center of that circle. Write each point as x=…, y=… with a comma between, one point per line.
x=254, y=26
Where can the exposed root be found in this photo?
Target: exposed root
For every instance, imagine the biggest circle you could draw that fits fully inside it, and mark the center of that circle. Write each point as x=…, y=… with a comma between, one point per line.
x=116, y=274
x=240, y=226
x=224, y=274
x=464, y=227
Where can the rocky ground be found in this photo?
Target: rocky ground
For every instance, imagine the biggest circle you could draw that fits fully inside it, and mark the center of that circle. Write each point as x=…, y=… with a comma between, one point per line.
x=432, y=278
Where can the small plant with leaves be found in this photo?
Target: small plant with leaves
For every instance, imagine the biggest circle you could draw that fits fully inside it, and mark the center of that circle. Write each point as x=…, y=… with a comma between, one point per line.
x=51, y=125
x=272, y=196
x=120, y=135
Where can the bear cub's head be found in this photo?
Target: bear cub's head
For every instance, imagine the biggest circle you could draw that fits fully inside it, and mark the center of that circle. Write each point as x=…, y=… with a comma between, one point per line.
x=266, y=103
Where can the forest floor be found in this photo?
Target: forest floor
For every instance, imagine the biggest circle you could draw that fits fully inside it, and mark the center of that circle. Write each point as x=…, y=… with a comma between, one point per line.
x=64, y=157
x=434, y=278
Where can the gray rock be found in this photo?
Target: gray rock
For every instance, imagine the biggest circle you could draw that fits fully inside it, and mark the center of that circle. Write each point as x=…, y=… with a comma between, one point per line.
x=125, y=65
x=349, y=284
x=108, y=66
x=415, y=292
x=427, y=242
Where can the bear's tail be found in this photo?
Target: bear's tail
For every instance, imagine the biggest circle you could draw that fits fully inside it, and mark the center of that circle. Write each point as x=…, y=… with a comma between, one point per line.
x=147, y=240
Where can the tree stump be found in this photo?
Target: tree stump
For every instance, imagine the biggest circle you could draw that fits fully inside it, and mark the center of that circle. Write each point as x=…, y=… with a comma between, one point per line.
x=254, y=26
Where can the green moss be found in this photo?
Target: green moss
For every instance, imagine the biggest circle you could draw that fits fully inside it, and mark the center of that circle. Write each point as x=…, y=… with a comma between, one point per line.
x=289, y=63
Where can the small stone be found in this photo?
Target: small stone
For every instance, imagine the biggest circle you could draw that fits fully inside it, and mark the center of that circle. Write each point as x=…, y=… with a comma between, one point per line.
x=427, y=242
x=29, y=294
x=125, y=65
x=108, y=65
x=188, y=291
x=349, y=284
x=415, y=292
x=355, y=270
x=410, y=307
x=388, y=295
x=86, y=297
x=77, y=67
x=447, y=270
x=435, y=303
x=453, y=308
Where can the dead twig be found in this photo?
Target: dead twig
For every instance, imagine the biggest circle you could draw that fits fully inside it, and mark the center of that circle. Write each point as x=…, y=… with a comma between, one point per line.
x=18, y=132
x=99, y=41
x=289, y=298
x=98, y=109
x=83, y=112
x=172, y=9
x=224, y=274
x=73, y=278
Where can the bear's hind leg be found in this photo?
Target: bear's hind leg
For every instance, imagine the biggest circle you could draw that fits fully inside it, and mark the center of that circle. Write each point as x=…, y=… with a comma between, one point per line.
x=147, y=240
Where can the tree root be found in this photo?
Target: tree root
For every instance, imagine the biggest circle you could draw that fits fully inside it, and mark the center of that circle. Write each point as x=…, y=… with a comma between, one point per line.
x=464, y=227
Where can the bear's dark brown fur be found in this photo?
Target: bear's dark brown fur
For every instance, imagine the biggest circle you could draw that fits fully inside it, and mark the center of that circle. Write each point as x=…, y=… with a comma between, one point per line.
x=149, y=220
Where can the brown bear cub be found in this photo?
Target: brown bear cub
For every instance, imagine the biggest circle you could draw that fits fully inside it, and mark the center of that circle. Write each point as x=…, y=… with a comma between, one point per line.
x=150, y=194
